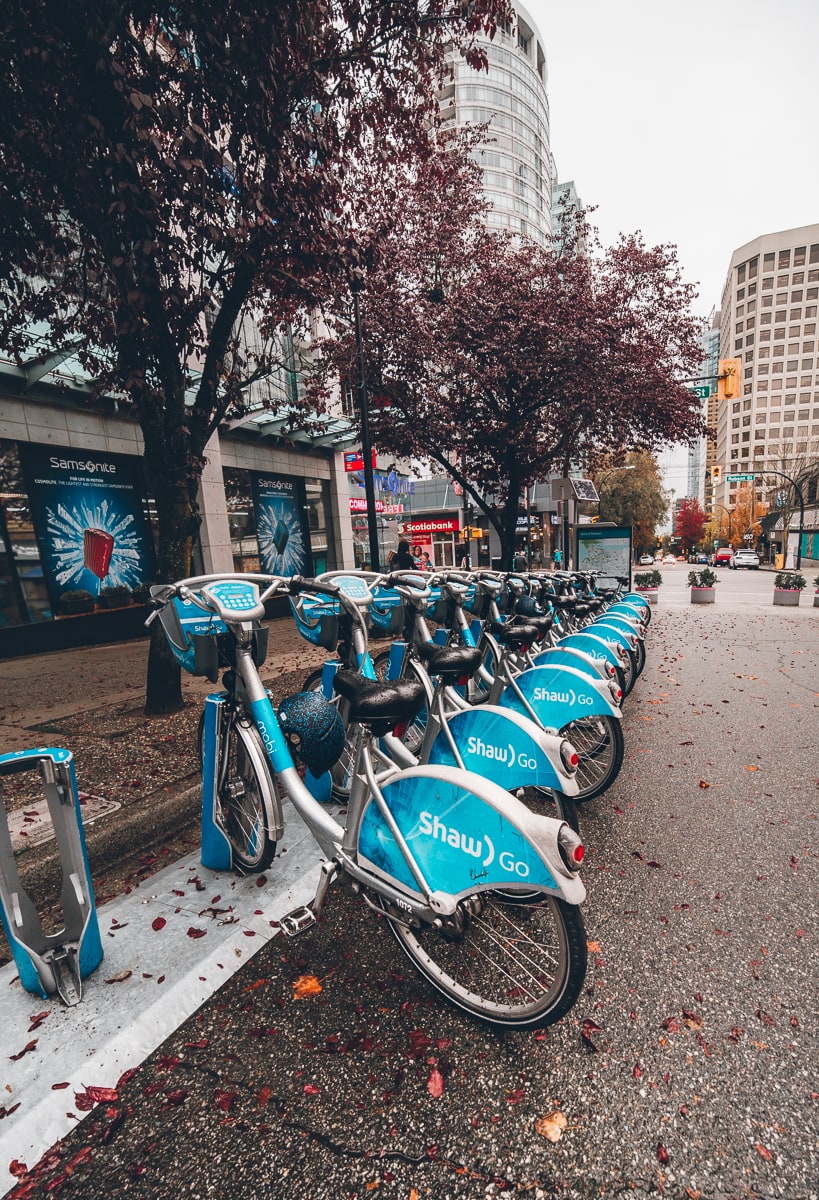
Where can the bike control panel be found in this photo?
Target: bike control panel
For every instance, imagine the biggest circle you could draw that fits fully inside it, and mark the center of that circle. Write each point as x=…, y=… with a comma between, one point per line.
x=235, y=599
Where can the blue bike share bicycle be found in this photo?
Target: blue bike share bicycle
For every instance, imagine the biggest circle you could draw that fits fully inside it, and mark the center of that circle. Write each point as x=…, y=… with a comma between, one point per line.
x=482, y=895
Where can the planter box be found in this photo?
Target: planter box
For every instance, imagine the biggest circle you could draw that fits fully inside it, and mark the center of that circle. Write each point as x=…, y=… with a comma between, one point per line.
x=789, y=596
x=703, y=595
x=650, y=594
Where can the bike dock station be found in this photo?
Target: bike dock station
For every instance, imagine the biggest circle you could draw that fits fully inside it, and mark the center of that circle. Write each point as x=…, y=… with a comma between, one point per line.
x=56, y=962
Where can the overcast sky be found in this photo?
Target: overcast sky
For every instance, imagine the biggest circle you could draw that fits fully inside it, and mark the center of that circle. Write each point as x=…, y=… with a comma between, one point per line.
x=696, y=122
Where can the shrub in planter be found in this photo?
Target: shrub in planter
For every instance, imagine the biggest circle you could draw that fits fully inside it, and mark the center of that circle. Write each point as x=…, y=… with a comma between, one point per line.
x=788, y=587
x=702, y=584
x=74, y=601
x=115, y=596
x=647, y=579
x=704, y=578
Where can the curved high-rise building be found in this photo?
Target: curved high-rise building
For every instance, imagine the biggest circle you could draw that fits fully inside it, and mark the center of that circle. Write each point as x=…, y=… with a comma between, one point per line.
x=511, y=98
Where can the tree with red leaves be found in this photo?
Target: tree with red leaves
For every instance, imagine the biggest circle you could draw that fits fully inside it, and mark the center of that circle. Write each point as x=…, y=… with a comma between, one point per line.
x=690, y=523
x=504, y=361
x=175, y=173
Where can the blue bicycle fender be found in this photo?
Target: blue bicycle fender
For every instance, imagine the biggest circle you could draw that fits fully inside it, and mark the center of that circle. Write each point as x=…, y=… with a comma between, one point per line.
x=573, y=656
x=559, y=695
x=613, y=633
x=636, y=599
x=465, y=834
x=505, y=747
x=630, y=611
x=623, y=623
x=594, y=644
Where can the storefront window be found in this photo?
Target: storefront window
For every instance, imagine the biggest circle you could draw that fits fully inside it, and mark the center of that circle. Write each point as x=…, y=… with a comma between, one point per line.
x=23, y=596
x=76, y=531
x=279, y=523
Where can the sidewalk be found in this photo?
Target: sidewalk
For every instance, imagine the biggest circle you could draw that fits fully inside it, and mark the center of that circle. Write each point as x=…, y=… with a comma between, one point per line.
x=685, y=1068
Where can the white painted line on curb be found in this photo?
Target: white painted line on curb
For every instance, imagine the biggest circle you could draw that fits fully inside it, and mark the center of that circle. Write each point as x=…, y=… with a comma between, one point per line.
x=164, y=974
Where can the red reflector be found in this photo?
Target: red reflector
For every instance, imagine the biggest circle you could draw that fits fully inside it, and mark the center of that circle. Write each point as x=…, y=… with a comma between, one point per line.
x=574, y=759
x=463, y=680
x=578, y=853
x=400, y=729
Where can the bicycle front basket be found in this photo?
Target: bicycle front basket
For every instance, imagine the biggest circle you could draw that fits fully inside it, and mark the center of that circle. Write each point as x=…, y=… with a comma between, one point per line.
x=387, y=612
x=191, y=635
x=316, y=619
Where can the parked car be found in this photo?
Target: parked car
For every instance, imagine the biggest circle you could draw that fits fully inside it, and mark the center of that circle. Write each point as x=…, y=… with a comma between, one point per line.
x=646, y=560
x=744, y=558
x=669, y=558
x=723, y=556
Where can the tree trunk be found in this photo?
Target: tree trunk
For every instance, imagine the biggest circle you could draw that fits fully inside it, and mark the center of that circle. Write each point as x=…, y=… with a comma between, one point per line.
x=178, y=517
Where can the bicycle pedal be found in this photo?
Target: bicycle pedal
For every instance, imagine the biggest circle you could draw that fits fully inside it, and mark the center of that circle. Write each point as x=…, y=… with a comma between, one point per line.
x=298, y=921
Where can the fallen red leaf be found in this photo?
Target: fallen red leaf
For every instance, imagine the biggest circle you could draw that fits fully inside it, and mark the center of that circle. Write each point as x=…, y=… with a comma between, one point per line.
x=310, y=1089
x=763, y=1151
x=704, y=783
x=158, y=923
x=435, y=1084
x=662, y=1154
x=196, y=933
x=37, y=1020
x=224, y=1100
x=264, y=1096
x=29, y=1046
x=102, y=1095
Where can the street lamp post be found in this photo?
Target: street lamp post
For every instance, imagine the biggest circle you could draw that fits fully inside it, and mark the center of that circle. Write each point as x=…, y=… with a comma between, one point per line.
x=728, y=511
x=369, y=482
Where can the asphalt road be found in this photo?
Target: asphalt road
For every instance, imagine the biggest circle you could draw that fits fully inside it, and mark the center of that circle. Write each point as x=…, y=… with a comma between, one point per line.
x=687, y=1069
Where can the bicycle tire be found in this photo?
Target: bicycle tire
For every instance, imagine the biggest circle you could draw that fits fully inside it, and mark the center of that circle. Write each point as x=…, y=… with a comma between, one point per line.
x=640, y=659
x=551, y=803
x=599, y=743
x=242, y=812
x=516, y=962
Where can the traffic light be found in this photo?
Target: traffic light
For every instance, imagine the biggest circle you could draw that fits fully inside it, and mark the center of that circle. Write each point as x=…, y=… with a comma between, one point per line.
x=716, y=474
x=728, y=378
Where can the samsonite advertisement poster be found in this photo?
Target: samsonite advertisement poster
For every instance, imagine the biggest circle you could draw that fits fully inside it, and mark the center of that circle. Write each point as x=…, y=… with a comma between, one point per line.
x=89, y=518
x=281, y=525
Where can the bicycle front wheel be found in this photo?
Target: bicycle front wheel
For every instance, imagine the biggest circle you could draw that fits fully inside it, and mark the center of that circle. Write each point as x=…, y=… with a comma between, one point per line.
x=245, y=795
x=517, y=963
x=599, y=745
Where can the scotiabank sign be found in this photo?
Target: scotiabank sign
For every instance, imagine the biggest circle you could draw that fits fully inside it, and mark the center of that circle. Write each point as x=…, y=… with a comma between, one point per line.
x=434, y=525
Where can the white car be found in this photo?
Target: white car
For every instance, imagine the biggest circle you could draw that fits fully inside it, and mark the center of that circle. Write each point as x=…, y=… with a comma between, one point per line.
x=744, y=558
x=668, y=559
x=646, y=560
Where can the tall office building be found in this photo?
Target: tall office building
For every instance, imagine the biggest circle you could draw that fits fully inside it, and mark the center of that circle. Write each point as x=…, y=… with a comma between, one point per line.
x=702, y=454
x=768, y=322
x=511, y=97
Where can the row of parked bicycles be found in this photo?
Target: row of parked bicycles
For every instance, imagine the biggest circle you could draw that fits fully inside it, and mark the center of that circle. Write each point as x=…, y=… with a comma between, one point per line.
x=457, y=755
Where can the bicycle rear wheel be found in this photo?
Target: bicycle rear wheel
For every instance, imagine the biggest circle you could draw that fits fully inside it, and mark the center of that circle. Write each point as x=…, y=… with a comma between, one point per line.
x=517, y=963
x=599, y=745
x=245, y=791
